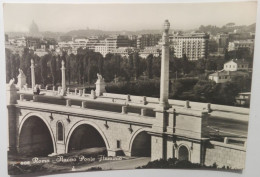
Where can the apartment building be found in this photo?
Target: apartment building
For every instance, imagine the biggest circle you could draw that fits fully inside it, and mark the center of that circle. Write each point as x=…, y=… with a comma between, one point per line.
x=194, y=45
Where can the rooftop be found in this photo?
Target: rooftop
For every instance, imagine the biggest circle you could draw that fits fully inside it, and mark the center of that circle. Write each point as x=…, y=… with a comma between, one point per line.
x=238, y=61
x=229, y=73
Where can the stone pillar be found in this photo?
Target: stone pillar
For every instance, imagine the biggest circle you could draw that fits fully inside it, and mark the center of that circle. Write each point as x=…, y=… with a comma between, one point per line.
x=128, y=98
x=76, y=91
x=187, y=104
x=11, y=100
x=143, y=112
x=35, y=98
x=93, y=94
x=11, y=93
x=63, y=79
x=159, y=127
x=59, y=89
x=209, y=107
x=32, y=73
x=80, y=92
x=144, y=100
x=124, y=109
x=21, y=97
x=68, y=102
x=171, y=120
x=83, y=104
x=164, y=84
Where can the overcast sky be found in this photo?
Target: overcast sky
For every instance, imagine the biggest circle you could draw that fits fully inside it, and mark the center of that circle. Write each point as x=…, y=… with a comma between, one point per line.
x=64, y=17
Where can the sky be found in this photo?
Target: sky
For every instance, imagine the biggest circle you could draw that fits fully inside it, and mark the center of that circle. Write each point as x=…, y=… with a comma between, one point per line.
x=131, y=17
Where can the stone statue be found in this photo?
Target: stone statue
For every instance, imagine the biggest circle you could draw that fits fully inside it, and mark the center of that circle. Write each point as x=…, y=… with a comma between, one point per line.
x=100, y=85
x=11, y=82
x=21, y=72
x=99, y=76
x=21, y=79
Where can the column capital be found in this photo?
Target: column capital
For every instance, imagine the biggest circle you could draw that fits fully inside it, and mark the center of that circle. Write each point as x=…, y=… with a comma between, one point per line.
x=32, y=63
x=63, y=64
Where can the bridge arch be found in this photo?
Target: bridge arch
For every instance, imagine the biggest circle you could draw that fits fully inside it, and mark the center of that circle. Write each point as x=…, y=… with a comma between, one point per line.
x=140, y=143
x=37, y=127
x=183, y=152
x=88, y=125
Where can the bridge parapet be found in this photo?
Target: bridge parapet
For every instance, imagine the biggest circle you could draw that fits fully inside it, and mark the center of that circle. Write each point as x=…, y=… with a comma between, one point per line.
x=188, y=122
x=150, y=103
x=88, y=113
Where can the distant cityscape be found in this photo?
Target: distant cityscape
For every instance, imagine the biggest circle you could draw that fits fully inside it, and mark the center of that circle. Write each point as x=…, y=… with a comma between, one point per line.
x=229, y=48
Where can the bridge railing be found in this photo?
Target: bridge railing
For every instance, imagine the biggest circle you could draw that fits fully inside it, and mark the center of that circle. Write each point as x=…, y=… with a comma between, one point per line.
x=91, y=104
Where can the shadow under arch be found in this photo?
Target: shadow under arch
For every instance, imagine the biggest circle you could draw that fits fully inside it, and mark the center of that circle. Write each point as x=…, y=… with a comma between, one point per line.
x=35, y=136
x=140, y=143
x=84, y=135
x=183, y=152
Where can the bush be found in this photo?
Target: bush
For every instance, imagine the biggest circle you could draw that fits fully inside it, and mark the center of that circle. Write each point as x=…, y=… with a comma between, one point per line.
x=173, y=163
x=139, y=88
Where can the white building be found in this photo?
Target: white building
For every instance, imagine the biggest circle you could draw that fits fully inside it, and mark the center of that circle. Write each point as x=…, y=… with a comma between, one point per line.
x=40, y=52
x=236, y=65
x=194, y=45
x=226, y=76
x=232, y=68
x=235, y=45
x=155, y=51
x=123, y=51
x=104, y=50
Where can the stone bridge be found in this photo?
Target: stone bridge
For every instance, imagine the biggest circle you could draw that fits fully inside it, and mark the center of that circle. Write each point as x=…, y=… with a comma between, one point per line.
x=61, y=121
x=121, y=124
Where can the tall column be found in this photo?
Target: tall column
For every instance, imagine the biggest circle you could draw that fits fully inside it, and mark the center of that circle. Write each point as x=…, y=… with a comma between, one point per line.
x=32, y=73
x=158, y=138
x=164, y=87
x=63, y=79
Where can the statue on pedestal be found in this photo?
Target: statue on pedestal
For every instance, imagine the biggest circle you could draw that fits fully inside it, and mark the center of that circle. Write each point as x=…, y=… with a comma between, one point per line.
x=100, y=85
x=21, y=79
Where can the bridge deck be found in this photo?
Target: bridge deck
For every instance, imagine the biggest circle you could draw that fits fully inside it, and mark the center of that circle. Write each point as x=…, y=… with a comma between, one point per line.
x=101, y=111
x=114, y=102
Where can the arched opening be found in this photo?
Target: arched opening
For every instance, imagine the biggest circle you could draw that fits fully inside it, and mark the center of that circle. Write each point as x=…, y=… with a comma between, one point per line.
x=87, y=139
x=35, y=138
x=60, y=131
x=183, y=153
x=141, y=146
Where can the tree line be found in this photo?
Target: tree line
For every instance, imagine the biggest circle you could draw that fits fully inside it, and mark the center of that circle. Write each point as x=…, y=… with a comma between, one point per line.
x=83, y=67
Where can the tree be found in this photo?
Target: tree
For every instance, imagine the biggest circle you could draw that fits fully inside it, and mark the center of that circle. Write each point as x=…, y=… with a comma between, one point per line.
x=43, y=66
x=205, y=90
x=185, y=64
x=68, y=68
x=149, y=61
x=136, y=60
x=100, y=63
x=58, y=69
x=201, y=66
x=156, y=66
x=8, y=56
x=53, y=69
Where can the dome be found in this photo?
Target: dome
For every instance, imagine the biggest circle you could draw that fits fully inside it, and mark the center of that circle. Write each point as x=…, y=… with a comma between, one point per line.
x=34, y=28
